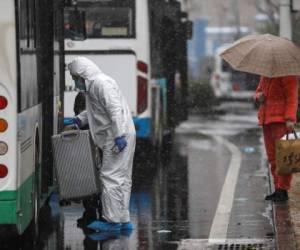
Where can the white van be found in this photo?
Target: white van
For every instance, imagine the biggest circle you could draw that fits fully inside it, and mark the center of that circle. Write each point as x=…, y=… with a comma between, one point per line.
x=228, y=83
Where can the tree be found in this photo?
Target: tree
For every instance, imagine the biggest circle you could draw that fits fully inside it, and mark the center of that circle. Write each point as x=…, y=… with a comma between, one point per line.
x=270, y=8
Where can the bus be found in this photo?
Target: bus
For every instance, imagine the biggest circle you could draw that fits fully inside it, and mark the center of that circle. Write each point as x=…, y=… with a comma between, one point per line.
x=228, y=83
x=142, y=45
x=31, y=96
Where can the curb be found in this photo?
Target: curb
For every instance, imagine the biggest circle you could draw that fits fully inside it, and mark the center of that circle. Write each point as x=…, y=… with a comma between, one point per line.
x=287, y=218
x=294, y=207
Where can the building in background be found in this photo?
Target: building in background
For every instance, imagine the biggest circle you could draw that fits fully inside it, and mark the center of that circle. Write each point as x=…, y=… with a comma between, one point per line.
x=217, y=22
x=197, y=48
x=217, y=36
x=223, y=13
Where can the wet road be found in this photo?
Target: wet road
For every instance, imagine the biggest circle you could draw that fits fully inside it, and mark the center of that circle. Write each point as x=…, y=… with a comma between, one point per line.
x=209, y=187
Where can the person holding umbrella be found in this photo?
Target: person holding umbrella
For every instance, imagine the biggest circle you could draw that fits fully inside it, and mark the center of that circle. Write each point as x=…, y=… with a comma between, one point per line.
x=277, y=60
x=278, y=102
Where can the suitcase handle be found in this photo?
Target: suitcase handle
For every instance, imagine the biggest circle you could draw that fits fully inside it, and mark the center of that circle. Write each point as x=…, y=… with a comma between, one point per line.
x=70, y=135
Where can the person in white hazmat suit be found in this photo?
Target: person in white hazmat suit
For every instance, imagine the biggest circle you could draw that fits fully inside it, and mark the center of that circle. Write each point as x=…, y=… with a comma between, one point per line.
x=112, y=130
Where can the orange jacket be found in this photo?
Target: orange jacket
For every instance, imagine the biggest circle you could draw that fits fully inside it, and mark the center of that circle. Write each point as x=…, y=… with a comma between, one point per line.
x=281, y=99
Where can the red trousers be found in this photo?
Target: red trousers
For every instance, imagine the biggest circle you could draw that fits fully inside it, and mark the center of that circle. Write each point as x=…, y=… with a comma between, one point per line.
x=273, y=132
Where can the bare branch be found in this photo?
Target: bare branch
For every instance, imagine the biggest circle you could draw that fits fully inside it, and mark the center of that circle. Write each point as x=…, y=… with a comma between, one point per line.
x=271, y=10
x=274, y=6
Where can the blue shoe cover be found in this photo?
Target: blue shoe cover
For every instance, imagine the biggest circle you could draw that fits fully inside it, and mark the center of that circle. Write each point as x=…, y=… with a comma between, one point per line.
x=104, y=226
x=127, y=226
x=104, y=235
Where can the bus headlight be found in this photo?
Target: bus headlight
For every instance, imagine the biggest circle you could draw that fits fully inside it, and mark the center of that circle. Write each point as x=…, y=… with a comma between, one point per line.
x=3, y=148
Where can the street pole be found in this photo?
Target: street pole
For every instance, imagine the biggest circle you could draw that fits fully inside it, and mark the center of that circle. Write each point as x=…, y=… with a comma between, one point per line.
x=236, y=17
x=285, y=26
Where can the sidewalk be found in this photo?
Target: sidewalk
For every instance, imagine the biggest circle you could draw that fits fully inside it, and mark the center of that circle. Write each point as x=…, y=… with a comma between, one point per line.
x=287, y=219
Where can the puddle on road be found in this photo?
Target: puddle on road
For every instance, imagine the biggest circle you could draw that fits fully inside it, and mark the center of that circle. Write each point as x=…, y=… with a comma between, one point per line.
x=159, y=211
x=173, y=198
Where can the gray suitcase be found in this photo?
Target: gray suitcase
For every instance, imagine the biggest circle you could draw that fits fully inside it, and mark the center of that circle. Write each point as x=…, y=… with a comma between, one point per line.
x=75, y=160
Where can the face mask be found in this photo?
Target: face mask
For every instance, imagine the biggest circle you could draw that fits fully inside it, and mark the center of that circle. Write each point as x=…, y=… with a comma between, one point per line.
x=80, y=84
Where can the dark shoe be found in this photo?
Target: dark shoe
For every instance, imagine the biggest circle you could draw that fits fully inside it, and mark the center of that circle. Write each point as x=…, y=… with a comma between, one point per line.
x=87, y=217
x=102, y=236
x=91, y=202
x=279, y=195
x=282, y=196
x=270, y=197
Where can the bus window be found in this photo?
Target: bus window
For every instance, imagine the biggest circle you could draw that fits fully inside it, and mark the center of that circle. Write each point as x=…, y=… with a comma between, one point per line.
x=75, y=25
x=107, y=22
x=113, y=19
x=24, y=24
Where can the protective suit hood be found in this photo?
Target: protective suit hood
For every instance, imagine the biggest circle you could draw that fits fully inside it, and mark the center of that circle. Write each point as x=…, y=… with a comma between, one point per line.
x=84, y=68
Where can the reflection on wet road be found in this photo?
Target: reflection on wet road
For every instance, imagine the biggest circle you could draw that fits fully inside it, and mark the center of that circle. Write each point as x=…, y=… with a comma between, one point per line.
x=176, y=195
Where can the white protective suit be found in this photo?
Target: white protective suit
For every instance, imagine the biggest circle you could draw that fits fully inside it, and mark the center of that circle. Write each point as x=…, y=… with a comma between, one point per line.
x=108, y=116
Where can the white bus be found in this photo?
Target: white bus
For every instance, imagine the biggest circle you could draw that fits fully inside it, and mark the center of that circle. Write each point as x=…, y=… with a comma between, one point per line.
x=31, y=83
x=141, y=44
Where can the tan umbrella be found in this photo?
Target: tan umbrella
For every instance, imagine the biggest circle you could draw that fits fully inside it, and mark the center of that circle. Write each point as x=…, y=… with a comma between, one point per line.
x=265, y=55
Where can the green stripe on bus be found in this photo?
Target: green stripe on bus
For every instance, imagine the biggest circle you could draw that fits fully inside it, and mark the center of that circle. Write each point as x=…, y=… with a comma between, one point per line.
x=8, y=195
x=25, y=199
x=8, y=207
x=8, y=212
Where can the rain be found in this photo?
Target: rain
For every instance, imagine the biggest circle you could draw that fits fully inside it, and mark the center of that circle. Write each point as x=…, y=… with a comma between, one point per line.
x=166, y=121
